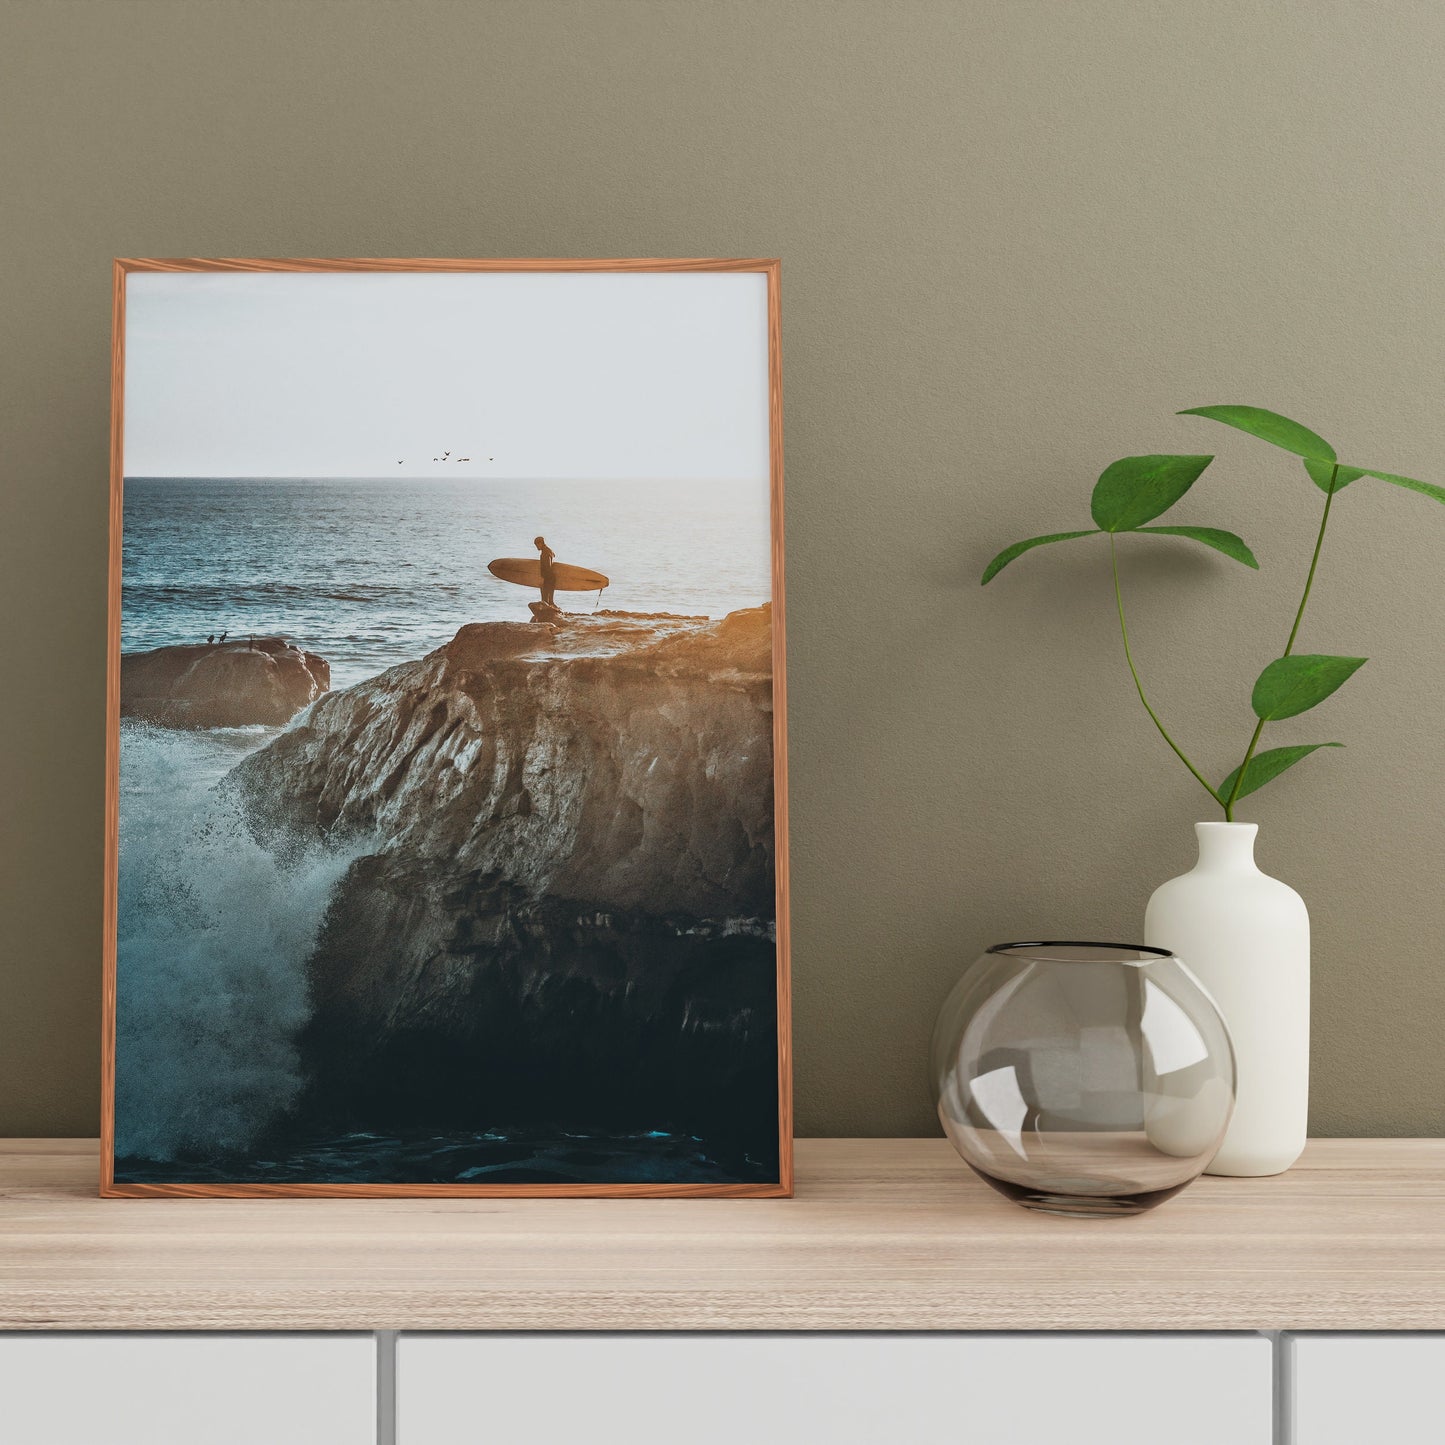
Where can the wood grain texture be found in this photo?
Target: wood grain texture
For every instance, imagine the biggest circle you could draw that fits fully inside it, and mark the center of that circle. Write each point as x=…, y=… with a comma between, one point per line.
x=110, y=897
x=782, y=921
x=443, y=263
x=107, y=1186
x=884, y=1234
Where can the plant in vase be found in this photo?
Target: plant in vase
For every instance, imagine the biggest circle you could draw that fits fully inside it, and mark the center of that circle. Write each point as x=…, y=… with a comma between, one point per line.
x=1244, y=934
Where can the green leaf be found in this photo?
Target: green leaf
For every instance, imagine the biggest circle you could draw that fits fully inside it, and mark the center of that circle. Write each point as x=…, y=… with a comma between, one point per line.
x=1426, y=489
x=1215, y=537
x=1265, y=767
x=1134, y=490
x=1268, y=426
x=1019, y=548
x=1321, y=472
x=1292, y=685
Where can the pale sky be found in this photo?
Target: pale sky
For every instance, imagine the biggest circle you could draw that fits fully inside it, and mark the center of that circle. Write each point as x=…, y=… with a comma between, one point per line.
x=565, y=375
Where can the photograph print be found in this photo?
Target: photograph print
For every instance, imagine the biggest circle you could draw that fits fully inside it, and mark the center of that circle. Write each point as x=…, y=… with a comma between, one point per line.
x=447, y=793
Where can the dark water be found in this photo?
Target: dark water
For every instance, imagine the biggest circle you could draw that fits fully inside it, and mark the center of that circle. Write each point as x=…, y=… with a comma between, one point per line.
x=500, y=1156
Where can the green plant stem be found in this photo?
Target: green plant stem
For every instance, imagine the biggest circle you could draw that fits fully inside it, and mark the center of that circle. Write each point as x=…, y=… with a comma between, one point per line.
x=1314, y=562
x=1289, y=646
x=1139, y=686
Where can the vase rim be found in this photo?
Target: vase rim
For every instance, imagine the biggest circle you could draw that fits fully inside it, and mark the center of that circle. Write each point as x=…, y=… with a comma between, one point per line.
x=1085, y=948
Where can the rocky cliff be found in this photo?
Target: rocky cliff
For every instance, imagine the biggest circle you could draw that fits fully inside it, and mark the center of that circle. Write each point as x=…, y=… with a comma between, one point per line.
x=224, y=684
x=563, y=906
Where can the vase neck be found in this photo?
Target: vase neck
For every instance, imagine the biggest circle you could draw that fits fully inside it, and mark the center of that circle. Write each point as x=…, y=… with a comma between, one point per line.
x=1227, y=845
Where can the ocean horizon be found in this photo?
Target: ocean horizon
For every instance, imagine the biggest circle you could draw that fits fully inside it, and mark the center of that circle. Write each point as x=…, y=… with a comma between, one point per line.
x=372, y=571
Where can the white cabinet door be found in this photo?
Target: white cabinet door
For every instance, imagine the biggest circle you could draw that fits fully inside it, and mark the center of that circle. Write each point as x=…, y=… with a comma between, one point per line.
x=830, y=1389
x=1360, y=1389
x=123, y=1389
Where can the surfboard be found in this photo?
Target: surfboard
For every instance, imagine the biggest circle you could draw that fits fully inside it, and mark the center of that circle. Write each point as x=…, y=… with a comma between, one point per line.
x=527, y=572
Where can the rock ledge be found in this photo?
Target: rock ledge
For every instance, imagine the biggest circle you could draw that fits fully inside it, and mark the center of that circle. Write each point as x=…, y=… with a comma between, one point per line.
x=223, y=684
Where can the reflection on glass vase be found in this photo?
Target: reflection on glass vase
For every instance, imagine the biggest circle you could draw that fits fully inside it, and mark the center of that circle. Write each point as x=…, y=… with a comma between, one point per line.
x=1088, y=1079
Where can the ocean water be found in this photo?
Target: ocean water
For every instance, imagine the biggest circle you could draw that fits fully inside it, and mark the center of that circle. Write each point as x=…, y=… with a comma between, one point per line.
x=214, y=930
x=372, y=572
x=212, y=940
x=502, y=1155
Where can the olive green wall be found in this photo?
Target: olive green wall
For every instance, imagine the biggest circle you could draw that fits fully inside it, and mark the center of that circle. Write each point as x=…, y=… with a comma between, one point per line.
x=1016, y=238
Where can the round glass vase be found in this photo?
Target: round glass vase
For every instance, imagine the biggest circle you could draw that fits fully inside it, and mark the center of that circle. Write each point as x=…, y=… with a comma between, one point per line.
x=1087, y=1079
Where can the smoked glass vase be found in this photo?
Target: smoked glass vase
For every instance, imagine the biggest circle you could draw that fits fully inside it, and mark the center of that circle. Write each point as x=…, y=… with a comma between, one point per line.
x=1086, y=1079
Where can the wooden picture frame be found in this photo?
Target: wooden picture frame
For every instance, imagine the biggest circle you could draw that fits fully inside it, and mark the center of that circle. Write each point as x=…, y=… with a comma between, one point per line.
x=172, y=1180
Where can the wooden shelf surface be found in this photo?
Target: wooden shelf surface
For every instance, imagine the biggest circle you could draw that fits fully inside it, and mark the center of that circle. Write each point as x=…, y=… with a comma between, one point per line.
x=884, y=1234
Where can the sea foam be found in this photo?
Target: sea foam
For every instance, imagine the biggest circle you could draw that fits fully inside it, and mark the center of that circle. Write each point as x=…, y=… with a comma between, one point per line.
x=214, y=934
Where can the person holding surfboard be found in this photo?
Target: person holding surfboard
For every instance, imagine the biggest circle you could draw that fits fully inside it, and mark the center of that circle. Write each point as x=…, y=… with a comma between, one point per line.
x=549, y=571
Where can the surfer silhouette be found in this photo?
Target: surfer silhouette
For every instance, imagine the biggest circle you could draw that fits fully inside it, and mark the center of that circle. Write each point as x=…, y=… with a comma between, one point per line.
x=549, y=572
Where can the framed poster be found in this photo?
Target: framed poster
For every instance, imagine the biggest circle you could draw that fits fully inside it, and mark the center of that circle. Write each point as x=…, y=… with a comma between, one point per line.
x=447, y=844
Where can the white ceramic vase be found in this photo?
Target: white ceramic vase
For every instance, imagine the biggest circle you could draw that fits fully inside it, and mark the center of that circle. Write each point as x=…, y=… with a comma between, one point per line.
x=1246, y=937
